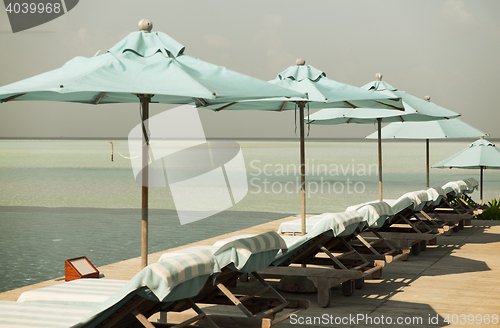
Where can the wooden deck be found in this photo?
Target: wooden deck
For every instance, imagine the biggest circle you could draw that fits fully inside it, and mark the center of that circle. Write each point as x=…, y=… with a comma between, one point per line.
x=460, y=275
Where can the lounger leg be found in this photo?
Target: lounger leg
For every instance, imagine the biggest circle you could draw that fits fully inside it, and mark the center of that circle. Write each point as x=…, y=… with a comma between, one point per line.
x=348, y=287
x=461, y=224
x=324, y=290
x=359, y=283
x=415, y=248
x=244, y=277
x=423, y=245
x=163, y=317
x=377, y=274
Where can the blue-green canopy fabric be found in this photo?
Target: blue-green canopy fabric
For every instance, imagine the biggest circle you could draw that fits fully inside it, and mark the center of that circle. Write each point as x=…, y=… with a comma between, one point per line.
x=321, y=92
x=480, y=154
x=142, y=63
x=442, y=129
x=151, y=64
x=415, y=109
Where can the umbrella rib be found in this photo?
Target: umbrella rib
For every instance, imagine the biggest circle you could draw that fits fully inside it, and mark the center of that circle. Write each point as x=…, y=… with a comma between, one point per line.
x=400, y=118
x=202, y=102
x=99, y=98
x=12, y=97
x=226, y=106
x=349, y=104
x=283, y=107
x=391, y=106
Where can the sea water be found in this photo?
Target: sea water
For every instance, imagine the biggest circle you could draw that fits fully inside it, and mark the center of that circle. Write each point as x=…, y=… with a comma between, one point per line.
x=62, y=199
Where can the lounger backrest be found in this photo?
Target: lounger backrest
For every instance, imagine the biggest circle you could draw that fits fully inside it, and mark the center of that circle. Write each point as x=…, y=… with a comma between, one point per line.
x=376, y=214
x=333, y=224
x=401, y=204
x=251, y=253
x=436, y=194
x=180, y=275
x=295, y=226
x=472, y=185
x=455, y=188
x=421, y=199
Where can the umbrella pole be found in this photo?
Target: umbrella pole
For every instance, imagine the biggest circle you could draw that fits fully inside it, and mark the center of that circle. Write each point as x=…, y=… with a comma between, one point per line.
x=427, y=159
x=145, y=178
x=481, y=193
x=379, y=121
x=302, y=167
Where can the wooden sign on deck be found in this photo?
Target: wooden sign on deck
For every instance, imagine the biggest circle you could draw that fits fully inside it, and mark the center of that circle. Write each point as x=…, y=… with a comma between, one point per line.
x=79, y=267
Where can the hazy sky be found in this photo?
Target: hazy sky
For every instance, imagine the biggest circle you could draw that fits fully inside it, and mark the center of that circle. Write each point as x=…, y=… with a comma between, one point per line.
x=448, y=49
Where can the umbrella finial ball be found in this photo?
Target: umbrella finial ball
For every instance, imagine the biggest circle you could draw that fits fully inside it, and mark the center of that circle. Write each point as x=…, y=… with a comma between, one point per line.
x=300, y=62
x=145, y=25
x=427, y=98
x=379, y=76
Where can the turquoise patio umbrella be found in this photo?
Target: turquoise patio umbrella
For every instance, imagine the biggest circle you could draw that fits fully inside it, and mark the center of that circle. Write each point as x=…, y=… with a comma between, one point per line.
x=321, y=92
x=142, y=68
x=481, y=154
x=442, y=129
x=415, y=110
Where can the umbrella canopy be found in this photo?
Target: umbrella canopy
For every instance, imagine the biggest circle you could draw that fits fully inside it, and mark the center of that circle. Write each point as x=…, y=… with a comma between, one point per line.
x=142, y=63
x=415, y=110
x=144, y=67
x=480, y=154
x=442, y=129
x=321, y=92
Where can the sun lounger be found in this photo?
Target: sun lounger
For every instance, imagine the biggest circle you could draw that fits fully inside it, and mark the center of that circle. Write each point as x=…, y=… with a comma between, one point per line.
x=325, y=256
x=160, y=286
x=442, y=213
x=453, y=208
x=472, y=185
x=454, y=191
x=247, y=255
x=376, y=215
x=407, y=229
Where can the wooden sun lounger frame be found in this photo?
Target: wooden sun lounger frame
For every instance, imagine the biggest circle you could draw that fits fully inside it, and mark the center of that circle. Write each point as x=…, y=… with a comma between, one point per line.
x=378, y=248
x=410, y=232
x=336, y=265
x=455, y=216
x=260, y=311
